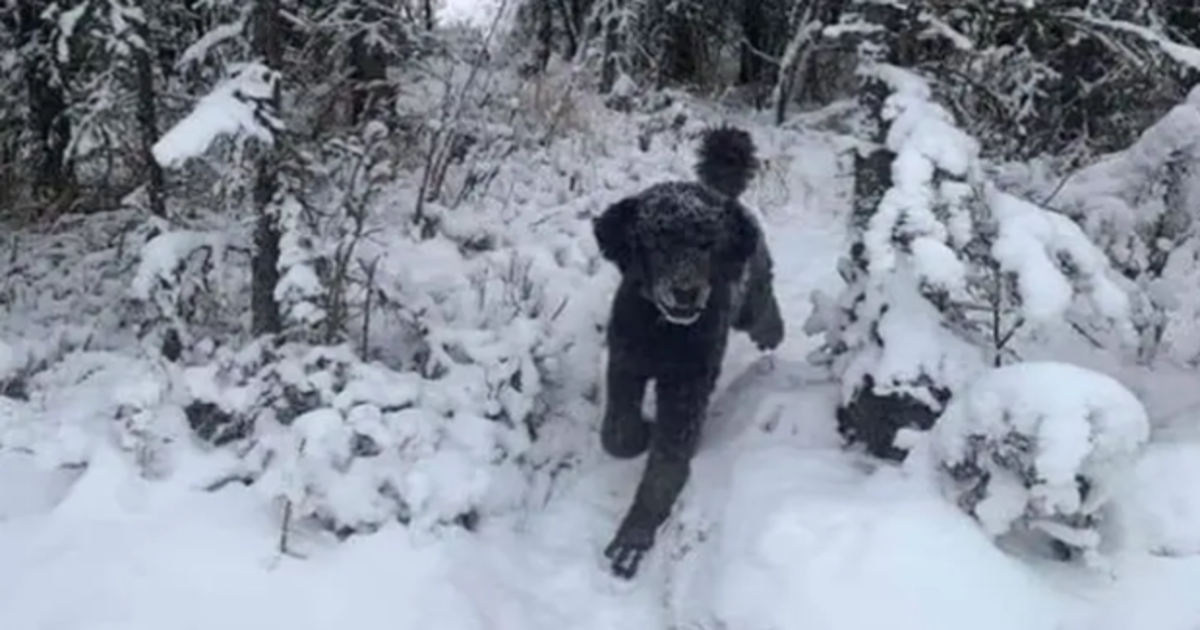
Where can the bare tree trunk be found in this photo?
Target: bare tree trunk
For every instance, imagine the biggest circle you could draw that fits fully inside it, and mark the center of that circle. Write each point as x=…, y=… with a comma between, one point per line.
x=570, y=12
x=544, y=20
x=752, y=66
x=430, y=22
x=682, y=62
x=369, y=73
x=612, y=43
x=796, y=56
x=873, y=170
x=47, y=103
x=266, y=319
x=147, y=115
x=870, y=417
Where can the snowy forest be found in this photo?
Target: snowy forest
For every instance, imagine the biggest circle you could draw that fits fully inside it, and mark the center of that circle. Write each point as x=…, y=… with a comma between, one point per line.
x=288, y=282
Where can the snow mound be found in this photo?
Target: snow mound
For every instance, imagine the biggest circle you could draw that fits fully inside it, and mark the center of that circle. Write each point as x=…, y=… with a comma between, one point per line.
x=91, y=395
x=150, y=549
x=808, y=539
x=1162, y=501
x=1040, y=445
x=29, y=488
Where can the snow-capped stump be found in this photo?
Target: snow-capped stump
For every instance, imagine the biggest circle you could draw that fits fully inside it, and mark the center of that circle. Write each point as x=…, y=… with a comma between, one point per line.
x=1036, y=447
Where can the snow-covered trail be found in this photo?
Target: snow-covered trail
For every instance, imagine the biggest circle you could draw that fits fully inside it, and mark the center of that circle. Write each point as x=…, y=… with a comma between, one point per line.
x=557, y=555
x=779, y=526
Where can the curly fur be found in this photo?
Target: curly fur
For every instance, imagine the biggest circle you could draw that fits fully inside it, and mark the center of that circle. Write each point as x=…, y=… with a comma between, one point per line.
x=694, y=265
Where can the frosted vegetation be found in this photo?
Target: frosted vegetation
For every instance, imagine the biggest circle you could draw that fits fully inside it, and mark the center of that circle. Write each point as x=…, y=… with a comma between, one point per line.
x=301, y=310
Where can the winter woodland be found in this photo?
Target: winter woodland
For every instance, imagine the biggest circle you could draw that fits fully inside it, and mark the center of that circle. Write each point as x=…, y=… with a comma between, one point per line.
x=302, y=317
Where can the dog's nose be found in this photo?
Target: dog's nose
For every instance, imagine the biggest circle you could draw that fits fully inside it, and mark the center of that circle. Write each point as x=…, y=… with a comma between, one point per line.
x=686, y=296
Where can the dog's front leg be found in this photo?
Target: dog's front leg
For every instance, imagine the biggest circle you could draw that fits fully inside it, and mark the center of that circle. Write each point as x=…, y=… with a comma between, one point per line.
x=624, y=433
x=681, y=403
x=759, y=313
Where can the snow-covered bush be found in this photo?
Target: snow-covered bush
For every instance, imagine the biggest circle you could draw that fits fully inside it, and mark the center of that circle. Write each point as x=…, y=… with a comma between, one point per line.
x=63, y=291
x=184, y=286
x=1041, y=447
x=325, y=215
x=90, y=395
x=355, y=445
x=945, y=272
x=1140, y=205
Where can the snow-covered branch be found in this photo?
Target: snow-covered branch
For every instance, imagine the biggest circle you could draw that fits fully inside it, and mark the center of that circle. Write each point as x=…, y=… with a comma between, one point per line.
x=241, y=104
x=1181, y=53
x=930, y=215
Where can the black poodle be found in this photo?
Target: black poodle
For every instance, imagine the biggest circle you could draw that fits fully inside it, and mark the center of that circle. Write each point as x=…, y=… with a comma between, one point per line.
x=693, y=264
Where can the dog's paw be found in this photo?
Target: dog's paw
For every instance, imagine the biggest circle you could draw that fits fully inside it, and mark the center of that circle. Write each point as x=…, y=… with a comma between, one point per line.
x=628, y=548
x=765, y=364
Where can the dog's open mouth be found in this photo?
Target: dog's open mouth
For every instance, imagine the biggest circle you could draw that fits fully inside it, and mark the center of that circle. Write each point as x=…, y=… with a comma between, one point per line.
x=681, y=316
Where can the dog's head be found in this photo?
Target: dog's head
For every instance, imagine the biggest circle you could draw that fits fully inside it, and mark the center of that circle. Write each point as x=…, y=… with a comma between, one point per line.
x=678, y=243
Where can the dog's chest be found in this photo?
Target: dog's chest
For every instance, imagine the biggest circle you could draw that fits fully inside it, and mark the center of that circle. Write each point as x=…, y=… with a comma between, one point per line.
x=663, y=345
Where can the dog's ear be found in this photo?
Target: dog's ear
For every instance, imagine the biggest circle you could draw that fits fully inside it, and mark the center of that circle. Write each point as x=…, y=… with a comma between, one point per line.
x=613, y=232
x=742, y=234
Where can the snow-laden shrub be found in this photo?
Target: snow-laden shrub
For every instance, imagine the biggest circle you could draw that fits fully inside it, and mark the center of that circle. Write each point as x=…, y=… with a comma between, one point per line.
x=184, y=285
x=65, y=289
x=354, y=445
x=66, y=375
x=90, y=395
x=1041, y=447
x=1140, y=206
x=326, y=210
x=946, y=270
x=443, y=438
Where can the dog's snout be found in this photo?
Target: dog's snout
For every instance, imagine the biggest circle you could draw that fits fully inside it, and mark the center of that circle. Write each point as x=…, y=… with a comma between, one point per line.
x=685, y=296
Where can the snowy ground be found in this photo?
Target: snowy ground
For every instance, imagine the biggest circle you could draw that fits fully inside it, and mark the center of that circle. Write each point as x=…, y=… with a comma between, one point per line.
x=780, y=527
